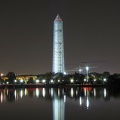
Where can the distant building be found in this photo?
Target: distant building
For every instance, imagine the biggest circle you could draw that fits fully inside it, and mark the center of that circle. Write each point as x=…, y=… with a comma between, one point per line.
x=58, y=46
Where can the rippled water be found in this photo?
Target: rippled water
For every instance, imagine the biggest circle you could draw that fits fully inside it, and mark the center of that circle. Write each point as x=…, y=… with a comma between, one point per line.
x=69, y=103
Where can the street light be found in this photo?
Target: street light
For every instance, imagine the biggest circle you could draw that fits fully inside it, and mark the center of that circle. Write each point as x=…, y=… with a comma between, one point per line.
x=72, y=80
x=87, y=69
x=80, y=70
x=105, y=79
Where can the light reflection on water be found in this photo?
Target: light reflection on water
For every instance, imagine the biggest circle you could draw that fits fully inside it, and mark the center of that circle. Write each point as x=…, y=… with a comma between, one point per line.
x=60, y=97
x=52, y=93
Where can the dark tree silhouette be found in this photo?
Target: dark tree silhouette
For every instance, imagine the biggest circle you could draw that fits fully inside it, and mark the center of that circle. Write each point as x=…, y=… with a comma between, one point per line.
x=11, y=77
x=31, y=81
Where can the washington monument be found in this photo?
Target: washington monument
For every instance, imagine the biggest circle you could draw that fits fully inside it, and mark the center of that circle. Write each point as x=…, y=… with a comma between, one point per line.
x=58, y=46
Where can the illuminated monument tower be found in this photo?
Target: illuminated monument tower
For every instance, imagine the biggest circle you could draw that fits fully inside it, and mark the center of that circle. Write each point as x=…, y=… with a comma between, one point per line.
x=58, y=46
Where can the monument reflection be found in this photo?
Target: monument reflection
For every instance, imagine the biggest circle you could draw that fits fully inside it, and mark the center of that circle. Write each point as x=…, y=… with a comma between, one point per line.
x=58, y=104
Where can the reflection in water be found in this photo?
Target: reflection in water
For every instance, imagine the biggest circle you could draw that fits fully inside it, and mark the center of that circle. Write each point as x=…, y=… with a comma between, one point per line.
x=21, y=93
x=58, y=106
x=25, y=92
x=1, y=97
x=87, y=103
x=72, y=92
x=80, y=101
x=85, y=92
x=62, y=99
x=59, y=96
x=105, y=93
x=37, y=92
x=83, y=96
x=51, y=92
x=15, y=94
x=43, y=92
x=94, y=92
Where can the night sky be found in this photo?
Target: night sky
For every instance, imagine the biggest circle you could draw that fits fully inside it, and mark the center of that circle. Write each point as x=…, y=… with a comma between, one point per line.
x=91, y=34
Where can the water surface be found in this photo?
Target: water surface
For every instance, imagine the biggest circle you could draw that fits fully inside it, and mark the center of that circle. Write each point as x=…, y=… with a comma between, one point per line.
x=69, y=103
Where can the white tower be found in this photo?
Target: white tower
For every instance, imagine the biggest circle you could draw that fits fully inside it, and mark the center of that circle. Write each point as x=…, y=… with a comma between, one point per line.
x=58, y=46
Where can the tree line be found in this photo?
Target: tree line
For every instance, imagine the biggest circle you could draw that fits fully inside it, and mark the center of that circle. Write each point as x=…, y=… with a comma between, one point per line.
x=59, y=78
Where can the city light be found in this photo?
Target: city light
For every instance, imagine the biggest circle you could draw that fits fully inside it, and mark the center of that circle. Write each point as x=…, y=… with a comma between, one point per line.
x=15, y=81
x=65, y=73
x=105, y=79
x=43, y=81
x=58, y=80
x=80, y=70
x=2, y=74
x=21, y=81
x=87, y=69
x=37, y=81
x=72, y=80
x=51, y=81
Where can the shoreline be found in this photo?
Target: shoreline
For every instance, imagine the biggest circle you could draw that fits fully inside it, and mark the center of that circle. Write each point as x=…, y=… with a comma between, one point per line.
x=14, y=86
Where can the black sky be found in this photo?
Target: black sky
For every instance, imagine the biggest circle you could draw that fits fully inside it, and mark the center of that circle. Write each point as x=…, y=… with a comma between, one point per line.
x=91, y=33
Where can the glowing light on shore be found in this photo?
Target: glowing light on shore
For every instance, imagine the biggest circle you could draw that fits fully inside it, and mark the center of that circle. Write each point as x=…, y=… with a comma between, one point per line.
x=105, y=79
x=43, y=81
x=72, y=80
x=37, y=81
